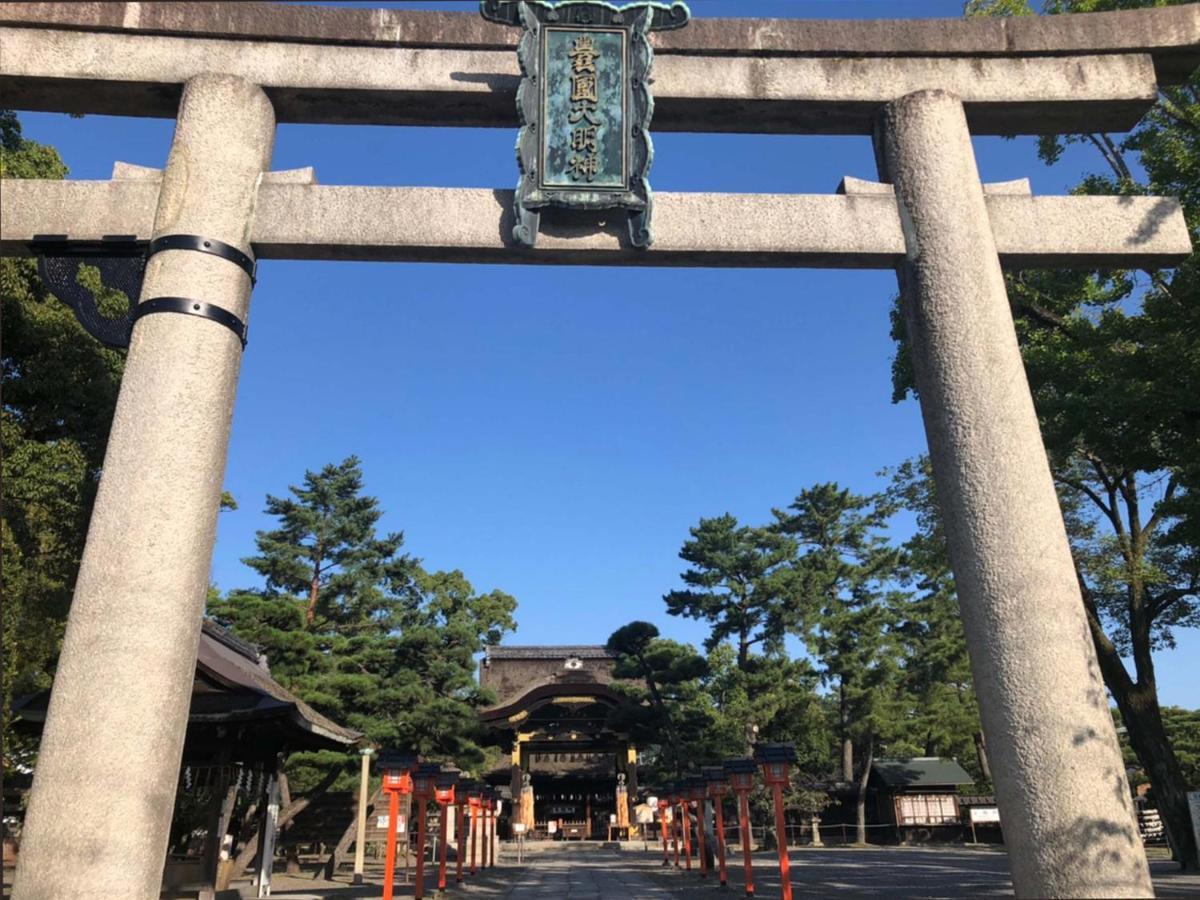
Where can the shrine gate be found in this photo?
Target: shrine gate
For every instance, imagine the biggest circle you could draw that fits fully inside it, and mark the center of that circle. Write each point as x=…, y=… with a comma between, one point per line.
x=228, y=72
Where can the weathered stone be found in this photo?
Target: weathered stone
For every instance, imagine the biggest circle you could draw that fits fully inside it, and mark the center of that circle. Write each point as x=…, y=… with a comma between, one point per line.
x=1060, y=782
x=104, y=788
x=91, y=72
x=860, y=229
x=1171, y=35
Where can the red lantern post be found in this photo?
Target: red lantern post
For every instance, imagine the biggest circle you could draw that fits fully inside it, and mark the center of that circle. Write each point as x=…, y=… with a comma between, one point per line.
x=473, y=801
x=718, y=786
x=686, y=823
x=672, y=790
x=776, y=761
x=460, y=833
x=444, y=795
x=423, y=787
x=697, y=790
x=489, y=828
x=396, y=781
x=741, y=777
x=662, y=818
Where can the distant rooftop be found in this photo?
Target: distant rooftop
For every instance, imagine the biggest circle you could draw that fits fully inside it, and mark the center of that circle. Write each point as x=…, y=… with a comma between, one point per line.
x=548, y=651
x=921, y=771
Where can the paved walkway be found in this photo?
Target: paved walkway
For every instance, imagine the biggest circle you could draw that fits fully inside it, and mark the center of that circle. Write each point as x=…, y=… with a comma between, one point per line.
x=591, y=872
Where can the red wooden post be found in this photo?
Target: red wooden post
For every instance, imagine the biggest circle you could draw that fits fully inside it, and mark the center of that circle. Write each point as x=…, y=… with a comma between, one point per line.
x=396, y=781
x=445, y=796
x=696, y=789
x=675, y=837
x=389, y=861
x=776, y=760
x=662, y=817
x=419, y=885
x=474, y=831
x=687, y=831
x=741, y=776
x=459, y=829
x=781, y=829
x=489, y=833
x=717, y=787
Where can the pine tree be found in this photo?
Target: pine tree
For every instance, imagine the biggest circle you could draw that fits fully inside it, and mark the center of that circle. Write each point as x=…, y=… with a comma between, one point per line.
x=844, y=570
x=740, y=583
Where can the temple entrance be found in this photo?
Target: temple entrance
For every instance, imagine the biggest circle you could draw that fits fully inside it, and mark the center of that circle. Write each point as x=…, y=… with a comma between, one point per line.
x=570, y=774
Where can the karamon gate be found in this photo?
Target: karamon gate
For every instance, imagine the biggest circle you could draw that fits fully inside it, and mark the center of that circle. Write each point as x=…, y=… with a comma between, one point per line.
x=228, y=72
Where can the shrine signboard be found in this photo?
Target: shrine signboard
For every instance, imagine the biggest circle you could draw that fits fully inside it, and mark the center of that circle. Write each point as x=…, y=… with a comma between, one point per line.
x=584, y=105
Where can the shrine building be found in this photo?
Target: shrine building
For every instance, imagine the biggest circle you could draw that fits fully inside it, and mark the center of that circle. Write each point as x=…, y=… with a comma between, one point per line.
x=571, y=774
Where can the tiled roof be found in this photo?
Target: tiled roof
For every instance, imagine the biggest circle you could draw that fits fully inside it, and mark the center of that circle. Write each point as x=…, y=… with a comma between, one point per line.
x=548, y=651
x=921, y=771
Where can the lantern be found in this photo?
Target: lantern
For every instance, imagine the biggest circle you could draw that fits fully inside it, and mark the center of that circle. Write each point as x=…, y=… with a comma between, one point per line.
x=443, y=786
x=741, y=778
x=717, y=787
x=423, y=780
x=396, y=767
x=741, y=774
x=776, y=761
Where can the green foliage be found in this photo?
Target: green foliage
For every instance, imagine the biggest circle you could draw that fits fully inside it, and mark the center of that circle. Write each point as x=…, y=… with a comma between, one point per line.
x=1183, y=729
x=935, y=671
x=360, y=630
x=660, y=678
x=844, y=570
x=739, y=583
x=60, y=388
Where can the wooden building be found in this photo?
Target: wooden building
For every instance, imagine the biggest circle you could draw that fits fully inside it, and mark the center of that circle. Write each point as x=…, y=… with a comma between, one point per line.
x=552, y=713
x=919, y=797
x=242, y=724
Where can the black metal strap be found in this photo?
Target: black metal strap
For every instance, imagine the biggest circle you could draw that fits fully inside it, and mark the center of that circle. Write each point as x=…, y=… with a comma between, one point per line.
x=193, y=308
x=205, y=245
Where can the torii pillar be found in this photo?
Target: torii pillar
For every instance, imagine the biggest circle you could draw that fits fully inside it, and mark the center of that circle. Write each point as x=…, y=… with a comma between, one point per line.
x=1060, y=780
x=104, y=789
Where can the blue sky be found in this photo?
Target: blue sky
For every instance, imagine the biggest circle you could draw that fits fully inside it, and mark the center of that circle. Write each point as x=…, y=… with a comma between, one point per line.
x=554, y=431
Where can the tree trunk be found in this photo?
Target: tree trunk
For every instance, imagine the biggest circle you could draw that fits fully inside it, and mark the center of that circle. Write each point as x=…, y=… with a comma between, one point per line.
x=847, y=743
x=1148, y=737
x=1138, y=703
x=349, y=836
x=861, y=805
x=985, y=767
x=314, y=589
x=289, y=812
x=292, y=852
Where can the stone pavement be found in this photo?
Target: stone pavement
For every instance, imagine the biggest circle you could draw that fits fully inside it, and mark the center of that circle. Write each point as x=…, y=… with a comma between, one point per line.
x=592, y=872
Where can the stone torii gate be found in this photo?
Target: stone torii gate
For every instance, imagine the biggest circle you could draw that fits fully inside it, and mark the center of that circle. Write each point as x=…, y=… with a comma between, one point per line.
x=228, y=72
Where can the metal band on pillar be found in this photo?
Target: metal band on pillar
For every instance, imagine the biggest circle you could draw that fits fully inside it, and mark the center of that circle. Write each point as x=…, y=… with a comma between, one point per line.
x=192, y=308
x=206, y=245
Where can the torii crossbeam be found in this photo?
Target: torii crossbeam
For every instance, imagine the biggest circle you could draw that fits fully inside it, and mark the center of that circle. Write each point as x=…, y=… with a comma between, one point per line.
x=228, y=71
